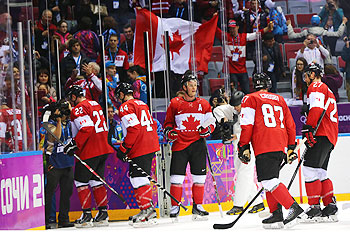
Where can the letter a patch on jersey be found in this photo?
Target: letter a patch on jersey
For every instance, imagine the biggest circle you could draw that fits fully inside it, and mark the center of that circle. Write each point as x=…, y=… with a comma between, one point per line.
x=200, y=108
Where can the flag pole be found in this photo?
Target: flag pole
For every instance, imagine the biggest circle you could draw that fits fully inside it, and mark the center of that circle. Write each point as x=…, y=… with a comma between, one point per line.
x=193, y=43
x=148, y=68
x=168, y=67
x=258, y=46
x=225, y=48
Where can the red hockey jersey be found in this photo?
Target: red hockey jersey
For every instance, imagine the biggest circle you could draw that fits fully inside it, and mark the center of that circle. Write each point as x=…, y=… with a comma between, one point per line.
x=266, y=121
x=187, y=117
x=8, y=124
x=89, y=129
x=236, y=50
x=139, y=127
x=318, y=94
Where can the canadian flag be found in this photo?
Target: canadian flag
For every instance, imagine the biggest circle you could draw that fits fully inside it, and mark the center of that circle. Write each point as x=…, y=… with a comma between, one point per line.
x=180, y=47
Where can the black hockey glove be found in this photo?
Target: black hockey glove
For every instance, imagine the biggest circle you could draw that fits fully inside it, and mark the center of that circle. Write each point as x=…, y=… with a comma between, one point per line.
x=170, y=134
x=122, y=153
x=244, y=153
x=204, y=132
x=304, y=110
x=308, y=132
x=70, y=147
x=291, y=155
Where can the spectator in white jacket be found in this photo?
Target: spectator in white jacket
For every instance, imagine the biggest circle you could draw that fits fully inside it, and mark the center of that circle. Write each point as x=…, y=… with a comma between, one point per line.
x=313, y=51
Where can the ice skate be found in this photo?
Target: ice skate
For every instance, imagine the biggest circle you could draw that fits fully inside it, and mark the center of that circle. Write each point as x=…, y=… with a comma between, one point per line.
x=330, y=212
x=174, y=213
x=275, y=221
x=198, y=213
x=311, y=215
x=257, y=208
x=235, y=210
x=85, y=220
x=145, y=218
x=101, y=218
x=294, y=211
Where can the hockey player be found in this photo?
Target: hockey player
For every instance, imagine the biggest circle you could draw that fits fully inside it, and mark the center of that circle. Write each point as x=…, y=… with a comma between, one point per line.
x=89, y=130
x=245, y=188
x=183, y=126
x=316, y=159
x=140, y=144
x=268, y=124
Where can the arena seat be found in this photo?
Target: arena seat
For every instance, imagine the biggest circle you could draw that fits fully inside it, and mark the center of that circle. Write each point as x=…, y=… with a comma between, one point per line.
x=292, y=19
x=216, y=83
x=291, y=50
x=298, y=7
x=317, y=5
x=304, y=19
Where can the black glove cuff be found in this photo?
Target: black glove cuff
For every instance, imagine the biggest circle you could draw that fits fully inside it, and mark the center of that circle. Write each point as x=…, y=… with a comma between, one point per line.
x=292, y=147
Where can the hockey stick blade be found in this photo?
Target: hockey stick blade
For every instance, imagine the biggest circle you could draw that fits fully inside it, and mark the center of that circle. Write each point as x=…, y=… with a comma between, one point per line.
x=45, y=125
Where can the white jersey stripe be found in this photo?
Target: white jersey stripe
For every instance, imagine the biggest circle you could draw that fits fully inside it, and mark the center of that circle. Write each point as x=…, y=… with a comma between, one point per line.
x=130, y=120
x=179, y=119
x=247, y=116
x=316, y=100
x=82, y=121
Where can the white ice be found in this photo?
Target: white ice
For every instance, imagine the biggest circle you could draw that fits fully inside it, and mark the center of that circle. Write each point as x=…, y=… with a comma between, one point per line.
x=247, y=223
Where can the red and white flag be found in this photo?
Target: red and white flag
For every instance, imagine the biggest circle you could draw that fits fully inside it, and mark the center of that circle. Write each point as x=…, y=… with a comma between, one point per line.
x=180, y=47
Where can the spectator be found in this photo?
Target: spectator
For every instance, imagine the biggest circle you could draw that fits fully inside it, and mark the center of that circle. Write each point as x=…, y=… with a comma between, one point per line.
x=345, y=5
x=90, y=44
x=128, y=44
x=237, y=54
x=313, y=51
x=63, y=37
x=5, y=20
x=179, y=9
x=44, y=97
x=299, y=87
x=73, y=62
x=44, y=29
x=255, y=17
x=115, y=132
x=59, y=168
x=272, y=60
x=110, y=26
x=315, y=29
x=345, y=55
x=112, y=82
x=331, y=18
x=83, y=9
x=279, y=20
x=118, y=56
x=333, y=79
x=57, y=7
x=91, y=84
x=138, y=77
x=44, y=78
x=160, y=7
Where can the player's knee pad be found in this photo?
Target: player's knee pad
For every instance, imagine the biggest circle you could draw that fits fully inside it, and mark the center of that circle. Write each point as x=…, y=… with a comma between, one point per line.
x=322, y=174
x=138, y=182
x=95, y=183
x=80, y=184
x=270, y=184
x=198, y=179
x=177, y=179
x=310, y=173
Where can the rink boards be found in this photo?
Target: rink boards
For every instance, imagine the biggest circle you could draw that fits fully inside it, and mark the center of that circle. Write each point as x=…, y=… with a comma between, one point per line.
x=21, y=199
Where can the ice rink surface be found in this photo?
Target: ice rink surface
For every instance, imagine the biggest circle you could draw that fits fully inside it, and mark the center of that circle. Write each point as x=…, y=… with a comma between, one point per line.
x=247, y=223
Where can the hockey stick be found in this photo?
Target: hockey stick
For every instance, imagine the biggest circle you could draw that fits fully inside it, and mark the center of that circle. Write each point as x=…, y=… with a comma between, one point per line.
x=155, y=182
x=304, y=140
x=205, y=125
x=45, y=125
x=229, y=225
x=214, y=183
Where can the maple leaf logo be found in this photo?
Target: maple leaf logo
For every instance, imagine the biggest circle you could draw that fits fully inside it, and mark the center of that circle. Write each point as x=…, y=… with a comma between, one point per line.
x=191, y=123
x=236, y=50
x=175, y=44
